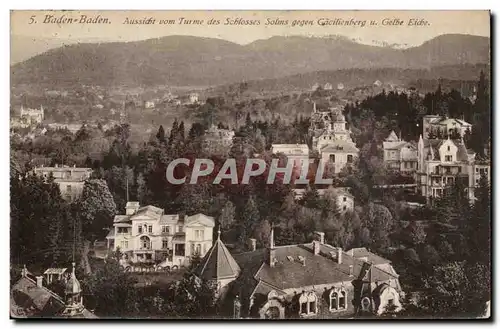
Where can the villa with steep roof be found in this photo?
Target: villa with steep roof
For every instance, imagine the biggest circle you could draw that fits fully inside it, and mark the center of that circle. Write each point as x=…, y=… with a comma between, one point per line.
x=146, y=234
x=400, y=155
x=442, y=162
x=311, y=280
x=332, y=139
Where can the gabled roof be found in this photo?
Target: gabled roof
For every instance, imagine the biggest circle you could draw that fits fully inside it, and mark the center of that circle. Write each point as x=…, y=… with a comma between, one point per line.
x=340, y=146
x=152, y=212
x=371, y=257
x=169, y=219
x=218, y=264
x=121, y=218
x=392, y=137
x=56, y=271
x=200, y=219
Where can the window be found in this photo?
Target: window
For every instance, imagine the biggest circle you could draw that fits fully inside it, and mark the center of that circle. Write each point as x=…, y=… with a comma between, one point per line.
x=349, y=158
x=179, y=228
x=68, y=189
x=477, y=169
x=149, y=256
x=307, y=303
x=164, y=244
x=198, y=249
x=145, y=242
x=165, y=229
x=448, y=148
x=123, y=230
x=180, y=249
x=365, y=304
x=139, y=229
x=332, y=158
x=448, y=158
x=199, y=234
x=345, y=208
x=150, y=229
x=345, y=199
x=342, y=300
x=334, y=296
x=338, y=300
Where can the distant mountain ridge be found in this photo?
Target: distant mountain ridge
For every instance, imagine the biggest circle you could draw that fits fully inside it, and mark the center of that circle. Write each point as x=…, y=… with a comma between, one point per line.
x=189, y=60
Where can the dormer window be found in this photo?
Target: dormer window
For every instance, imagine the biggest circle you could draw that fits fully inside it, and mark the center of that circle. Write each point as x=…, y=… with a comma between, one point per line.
x=308, y=304
x=338, y=299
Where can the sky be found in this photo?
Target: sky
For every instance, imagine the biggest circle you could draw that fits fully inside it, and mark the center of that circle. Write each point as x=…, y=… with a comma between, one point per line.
x=440, y=22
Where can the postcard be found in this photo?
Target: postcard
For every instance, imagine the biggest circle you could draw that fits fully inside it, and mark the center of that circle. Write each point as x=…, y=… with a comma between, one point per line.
x=238, y=165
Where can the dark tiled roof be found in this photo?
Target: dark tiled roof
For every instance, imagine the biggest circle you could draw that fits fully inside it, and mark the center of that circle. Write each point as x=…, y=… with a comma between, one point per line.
x=289, y=271
x=27, y=299
x=339, y=146
x=218, y=263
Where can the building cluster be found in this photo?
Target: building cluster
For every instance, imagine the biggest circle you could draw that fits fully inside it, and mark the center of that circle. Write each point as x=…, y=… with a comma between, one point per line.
x=438, y=159
x=344, y=199
x=331, y=139
x=311, y=280
x=218, y=140
x=70, y=179
x=148, y=235
x=29, y=297
x=28, y=118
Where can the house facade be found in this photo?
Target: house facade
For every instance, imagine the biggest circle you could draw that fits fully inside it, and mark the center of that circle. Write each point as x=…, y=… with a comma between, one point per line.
x=442, y=162
x=399, y=155
x=70, y=179
x=298, y=153
x=146, y=235
x=344, y=199
x=332, y=139
x=443, y=126
x=312, y=280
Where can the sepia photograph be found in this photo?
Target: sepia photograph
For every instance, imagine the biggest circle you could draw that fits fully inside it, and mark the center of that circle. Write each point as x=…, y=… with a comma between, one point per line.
x=248, y=165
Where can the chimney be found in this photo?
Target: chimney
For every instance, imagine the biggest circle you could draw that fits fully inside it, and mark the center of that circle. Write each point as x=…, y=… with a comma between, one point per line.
x=316, y=247
x=24, y=272
x=339, y=255
x=320, y=236
x=39, y=281
x=253, y=244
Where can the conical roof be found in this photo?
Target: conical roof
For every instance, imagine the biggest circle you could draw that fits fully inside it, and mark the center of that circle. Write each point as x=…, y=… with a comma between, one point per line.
x=218, y=263
x=73, y=285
